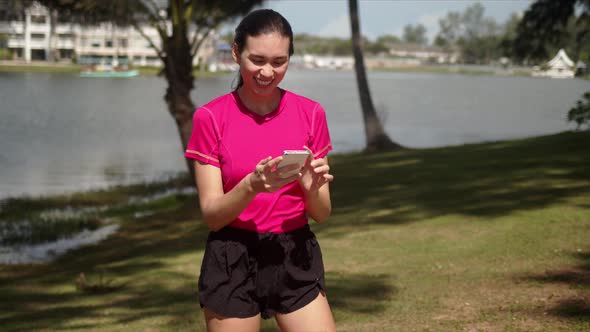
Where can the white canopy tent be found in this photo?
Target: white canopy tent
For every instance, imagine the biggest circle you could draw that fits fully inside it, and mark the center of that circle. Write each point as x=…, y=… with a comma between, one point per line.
x=561, y=66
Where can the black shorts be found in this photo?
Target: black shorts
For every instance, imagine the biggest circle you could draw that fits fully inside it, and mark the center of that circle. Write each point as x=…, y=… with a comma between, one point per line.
x=245, y=273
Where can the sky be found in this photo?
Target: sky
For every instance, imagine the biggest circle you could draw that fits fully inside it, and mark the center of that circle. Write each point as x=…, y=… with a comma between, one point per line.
x=329, y=18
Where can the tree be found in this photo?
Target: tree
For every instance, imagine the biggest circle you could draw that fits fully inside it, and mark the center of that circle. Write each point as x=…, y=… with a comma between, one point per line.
x=450, y=30
x=476, y=37
x=415, y=34
x=509, y=35
x=376, y=137
x=581, y=113
x=388, y=40
x=548, y=25
x=177, y=46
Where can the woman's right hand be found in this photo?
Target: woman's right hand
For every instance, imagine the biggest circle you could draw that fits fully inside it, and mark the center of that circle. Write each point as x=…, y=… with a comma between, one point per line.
x=267, y=178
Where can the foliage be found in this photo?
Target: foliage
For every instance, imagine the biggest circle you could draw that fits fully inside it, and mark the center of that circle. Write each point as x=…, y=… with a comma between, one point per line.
x=581, y=113
x=5, y=54
x=475, y=36
x=415, y=34
x=308, y=44
x=549, y=25
x=3, y=40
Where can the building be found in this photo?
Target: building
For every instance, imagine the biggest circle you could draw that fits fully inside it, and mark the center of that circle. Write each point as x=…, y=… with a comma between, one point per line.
x=37, y=35
x=423, y=53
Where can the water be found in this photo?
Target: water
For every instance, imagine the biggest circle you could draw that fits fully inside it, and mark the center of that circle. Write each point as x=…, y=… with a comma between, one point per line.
x=49, y=251
x=61, y=133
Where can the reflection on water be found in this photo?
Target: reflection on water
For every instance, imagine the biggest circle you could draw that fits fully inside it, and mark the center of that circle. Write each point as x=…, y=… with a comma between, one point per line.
x=47, y=252
x=60, y=133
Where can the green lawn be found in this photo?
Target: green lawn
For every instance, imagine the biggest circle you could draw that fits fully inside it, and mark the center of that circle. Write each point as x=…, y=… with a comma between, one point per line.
x=484, y=237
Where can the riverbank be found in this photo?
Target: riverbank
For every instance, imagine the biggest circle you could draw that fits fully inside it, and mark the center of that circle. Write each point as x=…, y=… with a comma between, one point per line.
x=478, y=237
x=44, y=67
x=41, y=66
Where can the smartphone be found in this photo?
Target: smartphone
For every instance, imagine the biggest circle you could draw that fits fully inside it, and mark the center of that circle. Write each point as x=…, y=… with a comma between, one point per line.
x=291, y=157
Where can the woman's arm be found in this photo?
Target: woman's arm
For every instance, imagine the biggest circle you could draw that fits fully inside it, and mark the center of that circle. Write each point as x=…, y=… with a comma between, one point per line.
x=318, y=204
x=315, y=181
x=220, y=209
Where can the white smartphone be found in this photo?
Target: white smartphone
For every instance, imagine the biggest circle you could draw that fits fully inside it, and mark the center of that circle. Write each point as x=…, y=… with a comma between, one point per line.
x=291, y=157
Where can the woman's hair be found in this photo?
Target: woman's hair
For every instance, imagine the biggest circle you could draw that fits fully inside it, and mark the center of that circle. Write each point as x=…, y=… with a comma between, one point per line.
x=260, y=22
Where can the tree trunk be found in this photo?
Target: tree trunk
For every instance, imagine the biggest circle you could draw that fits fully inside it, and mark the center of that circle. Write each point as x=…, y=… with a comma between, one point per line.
x=377, y=139
x=179, y=74
x=51, y=50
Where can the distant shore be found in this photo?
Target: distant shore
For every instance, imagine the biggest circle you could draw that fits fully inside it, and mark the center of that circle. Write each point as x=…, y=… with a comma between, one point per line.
x=43, y=66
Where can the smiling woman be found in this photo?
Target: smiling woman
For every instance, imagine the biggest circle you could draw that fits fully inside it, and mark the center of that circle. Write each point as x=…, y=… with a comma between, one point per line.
x=261, y=258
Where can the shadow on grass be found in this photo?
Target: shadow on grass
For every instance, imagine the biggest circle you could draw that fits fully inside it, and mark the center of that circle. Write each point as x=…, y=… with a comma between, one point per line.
x=486, y=180
x=154, y=293
x=576, y=277
x=483, y=180
x=44, y=296
x=359, y=293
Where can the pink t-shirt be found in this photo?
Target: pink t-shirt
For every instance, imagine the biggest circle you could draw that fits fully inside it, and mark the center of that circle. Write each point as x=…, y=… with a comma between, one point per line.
x=228, y=135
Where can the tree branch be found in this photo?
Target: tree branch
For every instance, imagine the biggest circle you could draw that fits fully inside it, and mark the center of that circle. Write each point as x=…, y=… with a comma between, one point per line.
x=195, y=37
x=161, y=55
x=154, y=15
x=197, y=43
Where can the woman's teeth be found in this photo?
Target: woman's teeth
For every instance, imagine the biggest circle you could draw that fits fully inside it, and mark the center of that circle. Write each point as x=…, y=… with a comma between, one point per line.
x=263, y=83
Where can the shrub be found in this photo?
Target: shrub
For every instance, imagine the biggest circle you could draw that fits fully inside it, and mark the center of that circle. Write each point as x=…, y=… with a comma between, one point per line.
x=581, y=113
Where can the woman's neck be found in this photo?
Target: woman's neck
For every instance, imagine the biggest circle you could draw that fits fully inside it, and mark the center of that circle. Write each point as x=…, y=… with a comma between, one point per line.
x=260, y=105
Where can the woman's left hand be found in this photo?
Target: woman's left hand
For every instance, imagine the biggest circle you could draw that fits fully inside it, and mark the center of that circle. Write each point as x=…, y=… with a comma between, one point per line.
x=315, y=173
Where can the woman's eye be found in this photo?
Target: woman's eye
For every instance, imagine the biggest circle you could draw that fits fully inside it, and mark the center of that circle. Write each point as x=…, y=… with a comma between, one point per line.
x=258, y=61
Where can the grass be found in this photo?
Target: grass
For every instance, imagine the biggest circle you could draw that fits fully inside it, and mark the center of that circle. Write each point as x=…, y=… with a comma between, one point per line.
x=483, y=237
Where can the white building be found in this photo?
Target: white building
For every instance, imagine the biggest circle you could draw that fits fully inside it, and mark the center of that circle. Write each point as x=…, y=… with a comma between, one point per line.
x=328, y=62
x=423, y=53
x=31, y=38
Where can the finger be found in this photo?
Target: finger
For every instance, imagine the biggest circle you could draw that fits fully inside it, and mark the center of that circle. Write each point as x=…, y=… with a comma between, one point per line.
x=318, y=162
x=329, y=177
x=322, y=169
x=265, y=160
x=272, y=163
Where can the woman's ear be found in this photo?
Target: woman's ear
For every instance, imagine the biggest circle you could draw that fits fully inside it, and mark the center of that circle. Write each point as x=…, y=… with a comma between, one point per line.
x=235, y=53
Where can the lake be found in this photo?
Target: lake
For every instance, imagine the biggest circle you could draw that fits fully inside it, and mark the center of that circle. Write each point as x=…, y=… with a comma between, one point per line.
x=62, y=133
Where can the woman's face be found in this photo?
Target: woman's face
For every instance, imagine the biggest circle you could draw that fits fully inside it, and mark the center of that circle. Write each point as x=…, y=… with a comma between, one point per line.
x=263, y=62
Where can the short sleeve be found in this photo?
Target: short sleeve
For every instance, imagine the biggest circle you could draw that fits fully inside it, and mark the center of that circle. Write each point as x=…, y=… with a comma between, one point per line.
x=204, y=142
x=320, y=143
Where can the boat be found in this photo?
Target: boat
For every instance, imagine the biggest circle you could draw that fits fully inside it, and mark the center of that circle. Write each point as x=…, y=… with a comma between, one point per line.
x=108, y=71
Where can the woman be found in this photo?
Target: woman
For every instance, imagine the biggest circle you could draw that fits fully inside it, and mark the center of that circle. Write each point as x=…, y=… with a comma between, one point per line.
x=261, y=258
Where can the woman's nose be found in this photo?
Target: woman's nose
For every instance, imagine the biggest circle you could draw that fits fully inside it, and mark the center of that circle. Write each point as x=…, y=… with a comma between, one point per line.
x=266, y=70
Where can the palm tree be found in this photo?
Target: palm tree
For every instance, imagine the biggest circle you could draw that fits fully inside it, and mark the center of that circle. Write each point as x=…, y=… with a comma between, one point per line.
x=377, y=139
